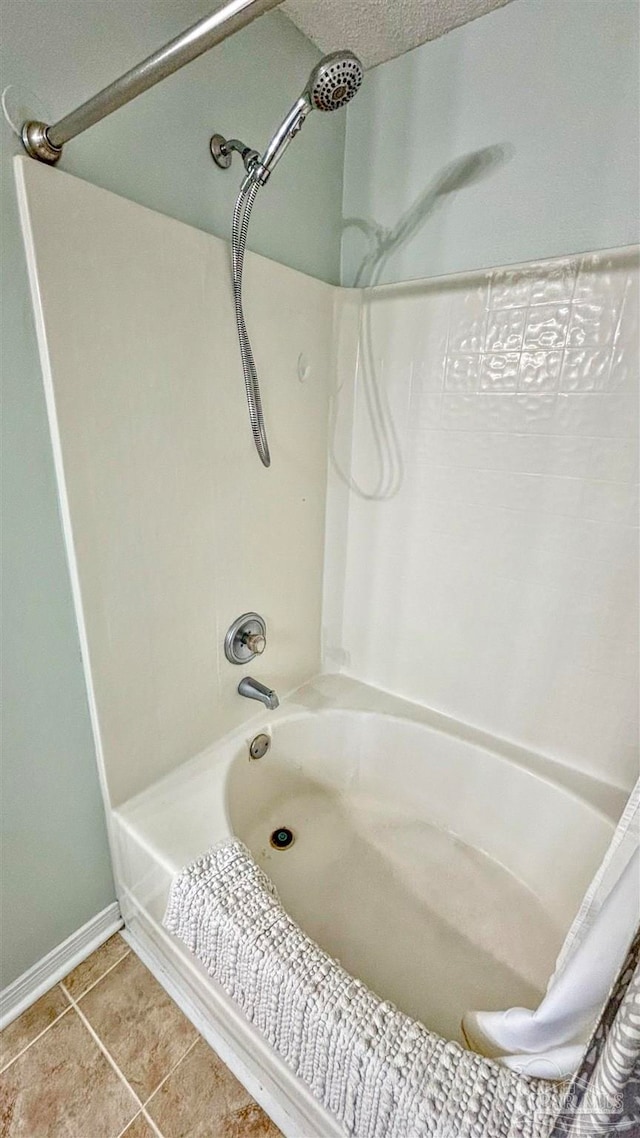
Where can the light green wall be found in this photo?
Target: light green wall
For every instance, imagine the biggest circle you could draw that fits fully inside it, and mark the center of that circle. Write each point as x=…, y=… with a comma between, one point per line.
x=55, y=865
x=547, y=91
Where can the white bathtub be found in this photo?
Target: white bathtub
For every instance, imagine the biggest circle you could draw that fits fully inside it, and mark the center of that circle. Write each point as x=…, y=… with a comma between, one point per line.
x=440, y=866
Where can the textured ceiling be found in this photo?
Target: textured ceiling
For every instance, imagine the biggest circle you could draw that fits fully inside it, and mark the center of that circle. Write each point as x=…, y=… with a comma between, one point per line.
x=381, y=29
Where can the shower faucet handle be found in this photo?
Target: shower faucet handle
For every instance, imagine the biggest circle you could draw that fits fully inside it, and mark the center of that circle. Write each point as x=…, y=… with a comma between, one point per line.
x=255, y=642
x=246, y=638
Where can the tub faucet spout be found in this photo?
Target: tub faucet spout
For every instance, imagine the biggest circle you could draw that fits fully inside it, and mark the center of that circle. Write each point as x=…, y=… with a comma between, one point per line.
x=253, y=689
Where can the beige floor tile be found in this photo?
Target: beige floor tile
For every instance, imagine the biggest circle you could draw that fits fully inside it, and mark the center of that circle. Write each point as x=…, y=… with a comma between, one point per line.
x=139, y=1128
x=248, y=1122
x=202, y=1099
x=95, y=966
x=63, y=1085
x=31, y=1023
x=140, y=1026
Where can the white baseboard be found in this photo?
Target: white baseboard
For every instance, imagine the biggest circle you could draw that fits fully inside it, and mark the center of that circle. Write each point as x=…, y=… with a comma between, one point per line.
x=18, y=996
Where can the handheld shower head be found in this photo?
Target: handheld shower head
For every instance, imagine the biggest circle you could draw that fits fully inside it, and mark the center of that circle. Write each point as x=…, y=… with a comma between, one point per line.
x=332, y=83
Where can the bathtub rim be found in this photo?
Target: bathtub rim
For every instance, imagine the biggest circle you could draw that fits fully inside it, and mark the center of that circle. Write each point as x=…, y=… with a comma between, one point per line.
x=350, y=694
x=186, y=812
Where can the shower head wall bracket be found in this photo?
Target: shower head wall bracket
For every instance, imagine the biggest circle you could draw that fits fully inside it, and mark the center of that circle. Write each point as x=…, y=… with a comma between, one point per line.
x=222, y=151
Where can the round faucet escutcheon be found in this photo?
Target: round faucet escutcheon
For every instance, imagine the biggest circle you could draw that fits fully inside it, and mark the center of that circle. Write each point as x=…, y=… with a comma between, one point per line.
x=246, y=638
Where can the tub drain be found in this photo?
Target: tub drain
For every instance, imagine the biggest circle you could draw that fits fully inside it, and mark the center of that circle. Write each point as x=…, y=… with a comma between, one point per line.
x=282, y=838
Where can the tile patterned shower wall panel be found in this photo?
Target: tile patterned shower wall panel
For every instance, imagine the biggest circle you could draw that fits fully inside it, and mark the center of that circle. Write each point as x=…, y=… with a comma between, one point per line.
x=492, y=499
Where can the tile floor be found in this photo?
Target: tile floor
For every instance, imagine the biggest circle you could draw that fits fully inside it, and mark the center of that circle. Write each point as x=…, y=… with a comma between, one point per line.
x=107, y=1053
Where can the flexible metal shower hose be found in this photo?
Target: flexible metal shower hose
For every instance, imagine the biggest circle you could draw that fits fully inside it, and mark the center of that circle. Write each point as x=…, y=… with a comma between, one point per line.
x=241, y=215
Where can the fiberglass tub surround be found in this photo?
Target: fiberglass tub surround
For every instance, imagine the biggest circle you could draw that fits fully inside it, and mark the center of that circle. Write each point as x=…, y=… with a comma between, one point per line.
x=483, y=494
x=493, y=577
x=174, y=526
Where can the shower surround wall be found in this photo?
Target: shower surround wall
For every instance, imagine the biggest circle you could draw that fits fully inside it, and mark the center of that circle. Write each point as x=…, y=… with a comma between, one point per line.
x=176, y=527
x=482, y=540
x=486, y=530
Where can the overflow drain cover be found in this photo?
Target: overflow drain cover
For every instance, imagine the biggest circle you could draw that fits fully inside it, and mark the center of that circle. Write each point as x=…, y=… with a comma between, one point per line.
x=282, y=838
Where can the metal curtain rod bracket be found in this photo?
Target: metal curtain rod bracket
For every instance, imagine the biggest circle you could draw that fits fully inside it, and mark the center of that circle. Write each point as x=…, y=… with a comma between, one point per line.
x=45, y=142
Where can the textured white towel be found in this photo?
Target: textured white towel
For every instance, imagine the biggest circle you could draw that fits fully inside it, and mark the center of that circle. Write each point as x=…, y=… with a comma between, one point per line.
x=380, y=1073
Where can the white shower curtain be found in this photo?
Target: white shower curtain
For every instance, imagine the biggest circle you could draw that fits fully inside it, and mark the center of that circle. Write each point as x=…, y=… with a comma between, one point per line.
x=550, y=1041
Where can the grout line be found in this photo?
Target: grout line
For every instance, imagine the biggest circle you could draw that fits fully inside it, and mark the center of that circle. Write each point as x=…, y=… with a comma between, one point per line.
x=73, y=1006
x=36, y=1037
x=116, y=1068
x=173, y=1069
x=108, y=1057
x=92, y=986
x=130, y=1123
x=151, y=1123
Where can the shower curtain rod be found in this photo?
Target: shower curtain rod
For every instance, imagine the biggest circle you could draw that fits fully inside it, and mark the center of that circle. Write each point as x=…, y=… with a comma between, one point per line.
x=45, y=142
